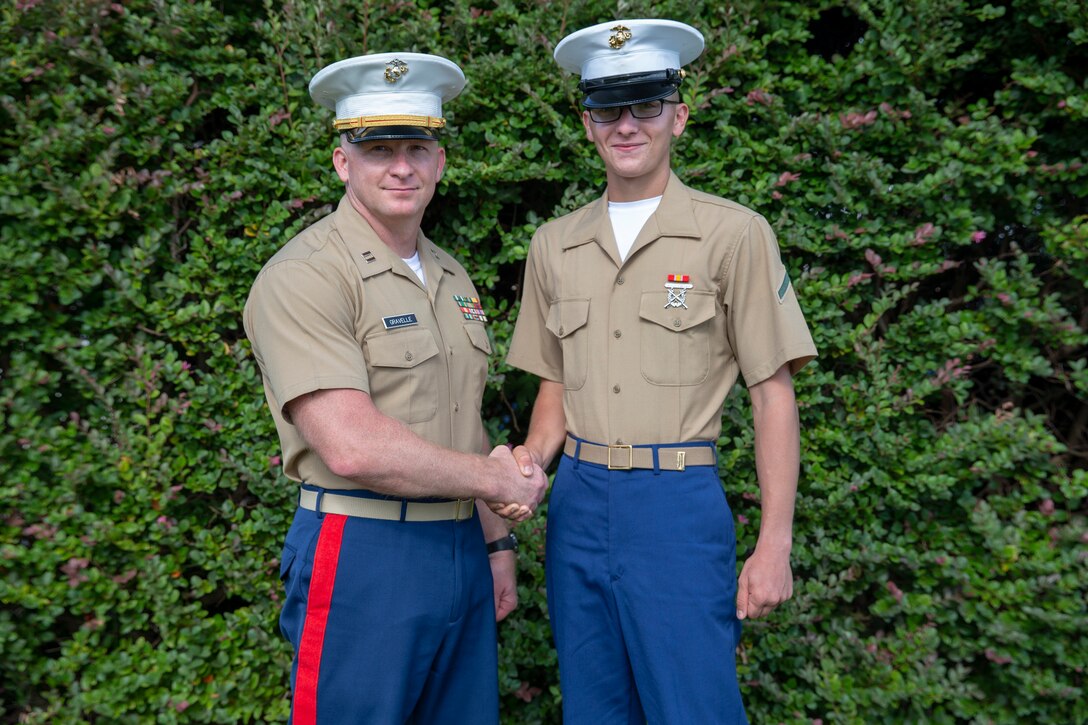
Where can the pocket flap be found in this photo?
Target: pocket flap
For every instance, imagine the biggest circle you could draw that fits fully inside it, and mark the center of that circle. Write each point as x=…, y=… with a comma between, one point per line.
x=700, y=308
x=401, y=349
x=477, y=335
x=287, y=558
x=566, y=316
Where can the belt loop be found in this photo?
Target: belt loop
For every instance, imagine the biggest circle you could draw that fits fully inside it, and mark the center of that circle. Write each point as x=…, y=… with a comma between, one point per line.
x=403, y=509
x=317, y=504
x=577, y=452
x=657, y=461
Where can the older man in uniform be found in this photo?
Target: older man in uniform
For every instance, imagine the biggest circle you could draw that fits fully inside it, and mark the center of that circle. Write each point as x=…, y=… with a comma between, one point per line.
x=373, y=350
x=640, y=311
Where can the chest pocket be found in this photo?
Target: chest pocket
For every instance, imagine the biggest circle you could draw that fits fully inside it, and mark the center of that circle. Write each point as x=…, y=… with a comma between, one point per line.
x=675, y=347
x=404, y=370
x=567, y=320
x=477, y=335
x=468, y=370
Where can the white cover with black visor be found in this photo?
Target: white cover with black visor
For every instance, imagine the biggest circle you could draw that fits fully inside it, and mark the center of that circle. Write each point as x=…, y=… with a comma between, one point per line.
x=388, y=95
x=624, y=62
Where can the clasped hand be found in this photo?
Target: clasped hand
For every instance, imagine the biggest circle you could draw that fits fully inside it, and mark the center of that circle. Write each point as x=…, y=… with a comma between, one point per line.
x=525, y=486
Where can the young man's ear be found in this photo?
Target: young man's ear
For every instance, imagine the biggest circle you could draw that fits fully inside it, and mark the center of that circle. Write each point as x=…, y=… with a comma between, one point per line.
x=681, y=119
x=585, y=123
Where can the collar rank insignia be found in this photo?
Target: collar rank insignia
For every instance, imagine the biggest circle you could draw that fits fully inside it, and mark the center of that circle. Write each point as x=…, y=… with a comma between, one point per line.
x=471, y=308
x=677, y=285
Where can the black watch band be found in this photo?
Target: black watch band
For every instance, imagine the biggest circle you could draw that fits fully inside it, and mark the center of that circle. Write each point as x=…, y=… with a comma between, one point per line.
x=506, y=543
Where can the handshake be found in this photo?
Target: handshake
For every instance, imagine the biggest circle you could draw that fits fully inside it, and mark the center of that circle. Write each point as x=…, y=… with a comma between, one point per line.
x=523, y=483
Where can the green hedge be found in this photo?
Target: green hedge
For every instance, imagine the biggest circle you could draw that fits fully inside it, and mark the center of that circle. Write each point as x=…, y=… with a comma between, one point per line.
x=921, y=160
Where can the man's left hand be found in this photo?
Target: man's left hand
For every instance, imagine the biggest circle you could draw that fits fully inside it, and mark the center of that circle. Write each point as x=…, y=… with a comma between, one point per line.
x=504, y=574
x=766, y=581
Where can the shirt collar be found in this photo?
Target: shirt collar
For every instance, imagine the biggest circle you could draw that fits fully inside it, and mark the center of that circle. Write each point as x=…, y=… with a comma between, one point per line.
x=673, y=218
x=365, y=243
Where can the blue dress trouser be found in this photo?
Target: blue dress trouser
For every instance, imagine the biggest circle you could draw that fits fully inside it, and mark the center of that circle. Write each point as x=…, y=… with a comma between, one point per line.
x=401, y=621
x=642, y=583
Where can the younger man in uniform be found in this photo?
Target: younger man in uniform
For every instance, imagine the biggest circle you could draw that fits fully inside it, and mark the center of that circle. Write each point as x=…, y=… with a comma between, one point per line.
x=373, y=350
x=639, y=313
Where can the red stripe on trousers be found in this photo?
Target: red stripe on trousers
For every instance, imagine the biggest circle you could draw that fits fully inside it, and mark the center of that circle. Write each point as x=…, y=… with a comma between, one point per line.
x=318, y=603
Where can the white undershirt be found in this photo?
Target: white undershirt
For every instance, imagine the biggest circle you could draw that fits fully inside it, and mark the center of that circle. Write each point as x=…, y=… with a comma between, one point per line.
x=628, y=218
x=417, y=267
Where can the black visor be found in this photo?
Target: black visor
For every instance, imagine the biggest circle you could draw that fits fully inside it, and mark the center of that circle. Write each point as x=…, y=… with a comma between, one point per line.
x=627, y=90
x=390, y=133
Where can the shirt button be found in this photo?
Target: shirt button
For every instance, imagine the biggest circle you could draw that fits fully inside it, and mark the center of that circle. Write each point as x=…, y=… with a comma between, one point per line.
x=407, y=356
x=619, y=280
x=456, y=407
x=561, y=331
x=451, y=352
x=615, y=388
x=619, y=441
x=676, y=323
x=617, y=334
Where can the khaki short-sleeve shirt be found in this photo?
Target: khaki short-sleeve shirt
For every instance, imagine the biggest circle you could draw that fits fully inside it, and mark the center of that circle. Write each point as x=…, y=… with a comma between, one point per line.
x=336, y=308
x=648, y=349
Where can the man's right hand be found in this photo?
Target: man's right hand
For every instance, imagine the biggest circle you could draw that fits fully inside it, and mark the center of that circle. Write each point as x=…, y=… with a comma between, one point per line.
x=524, y=458
x=524, y=486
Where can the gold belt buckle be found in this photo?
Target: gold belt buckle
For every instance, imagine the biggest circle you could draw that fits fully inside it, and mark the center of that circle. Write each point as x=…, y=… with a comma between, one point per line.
x=463, y=509
x=620, y=467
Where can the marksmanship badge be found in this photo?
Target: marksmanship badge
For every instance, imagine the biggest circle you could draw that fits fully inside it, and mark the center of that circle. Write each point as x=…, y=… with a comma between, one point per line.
x=677, y=285
x=620, y=35
x=394, y=69
x=471, y=308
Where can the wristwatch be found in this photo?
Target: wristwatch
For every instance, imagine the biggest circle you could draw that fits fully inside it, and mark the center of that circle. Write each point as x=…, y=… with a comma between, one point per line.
x=506, y=543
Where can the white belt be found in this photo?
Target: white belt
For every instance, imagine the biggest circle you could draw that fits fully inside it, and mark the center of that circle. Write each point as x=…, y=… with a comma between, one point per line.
x=623, y=458
x=389, y=510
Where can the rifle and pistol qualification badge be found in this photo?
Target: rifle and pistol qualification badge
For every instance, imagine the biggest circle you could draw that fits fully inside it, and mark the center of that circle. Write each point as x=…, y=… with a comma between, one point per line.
x=677, y=286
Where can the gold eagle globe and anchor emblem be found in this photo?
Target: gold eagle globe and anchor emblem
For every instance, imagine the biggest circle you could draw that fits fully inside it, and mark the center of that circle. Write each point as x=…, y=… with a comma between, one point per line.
x=620, y=35
x=394, y=69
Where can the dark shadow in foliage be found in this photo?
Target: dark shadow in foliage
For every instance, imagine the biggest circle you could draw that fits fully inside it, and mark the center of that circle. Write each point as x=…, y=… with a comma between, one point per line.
x=835, y=32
